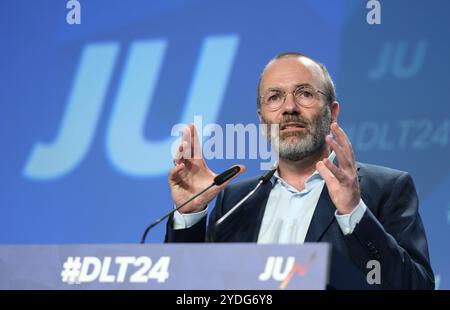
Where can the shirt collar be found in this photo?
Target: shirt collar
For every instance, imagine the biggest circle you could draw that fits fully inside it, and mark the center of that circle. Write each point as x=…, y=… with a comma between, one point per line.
x=314, y=176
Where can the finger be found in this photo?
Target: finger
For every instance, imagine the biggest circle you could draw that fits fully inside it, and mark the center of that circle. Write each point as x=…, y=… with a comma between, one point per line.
x=334, y=169
x=179, y=156
x=174, y=174
x=342, y=139
x=195, y=142
x=180, y=151
x=187, y=143
x=326, y=174
x=343, y=159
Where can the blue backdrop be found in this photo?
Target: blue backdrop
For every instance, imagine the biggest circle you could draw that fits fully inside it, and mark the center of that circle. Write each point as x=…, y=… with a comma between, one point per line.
x=87, y=109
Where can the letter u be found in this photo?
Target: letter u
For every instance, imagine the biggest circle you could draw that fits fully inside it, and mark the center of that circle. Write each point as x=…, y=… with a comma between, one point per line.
x=127, y=148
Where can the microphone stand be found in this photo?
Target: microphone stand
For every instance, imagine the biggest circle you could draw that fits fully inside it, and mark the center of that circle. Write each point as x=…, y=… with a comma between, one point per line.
x=144, y=236
x=262, y=180
x=218, y=180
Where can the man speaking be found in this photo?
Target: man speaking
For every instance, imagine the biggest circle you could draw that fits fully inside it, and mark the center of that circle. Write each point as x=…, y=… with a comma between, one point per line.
x=318, y=193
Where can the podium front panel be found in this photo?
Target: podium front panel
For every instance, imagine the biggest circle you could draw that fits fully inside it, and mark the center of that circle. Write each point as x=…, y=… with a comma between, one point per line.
x=196, y=266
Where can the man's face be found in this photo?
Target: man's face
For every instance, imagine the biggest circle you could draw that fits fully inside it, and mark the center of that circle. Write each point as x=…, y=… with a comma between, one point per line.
x=302, y=130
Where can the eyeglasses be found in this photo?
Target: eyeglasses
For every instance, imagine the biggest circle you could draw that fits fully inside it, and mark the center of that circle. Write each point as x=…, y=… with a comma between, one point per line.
x=305, y=96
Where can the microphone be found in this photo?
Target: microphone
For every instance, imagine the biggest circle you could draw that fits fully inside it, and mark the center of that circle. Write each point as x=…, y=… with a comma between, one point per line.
x=218, y=180
x=262, y=180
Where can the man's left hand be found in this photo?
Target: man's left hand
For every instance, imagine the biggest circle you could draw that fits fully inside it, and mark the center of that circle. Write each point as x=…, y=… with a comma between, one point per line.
x=342, y=181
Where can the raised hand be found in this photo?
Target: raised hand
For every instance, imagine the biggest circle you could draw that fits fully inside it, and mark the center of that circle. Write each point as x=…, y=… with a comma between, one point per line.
x=342, y=181
x=191, y=174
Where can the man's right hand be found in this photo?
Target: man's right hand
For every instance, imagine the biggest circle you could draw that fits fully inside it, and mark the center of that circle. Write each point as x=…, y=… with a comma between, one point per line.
x=191, y=175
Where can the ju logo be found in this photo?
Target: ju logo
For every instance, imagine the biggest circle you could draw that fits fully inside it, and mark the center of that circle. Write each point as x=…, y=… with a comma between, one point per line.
x=127, y=149
x=274, y=266
x=393, y=60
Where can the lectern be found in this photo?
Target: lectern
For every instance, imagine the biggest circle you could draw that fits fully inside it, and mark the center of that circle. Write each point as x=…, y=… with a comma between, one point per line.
x=194, y=266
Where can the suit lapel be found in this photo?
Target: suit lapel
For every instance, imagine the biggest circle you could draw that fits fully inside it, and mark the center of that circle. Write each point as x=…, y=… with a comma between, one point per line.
x=261, y=201
x=322, y=218
x=245, y=224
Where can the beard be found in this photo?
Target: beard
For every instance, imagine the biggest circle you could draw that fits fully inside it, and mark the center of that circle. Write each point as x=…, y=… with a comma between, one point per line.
x=297, y=145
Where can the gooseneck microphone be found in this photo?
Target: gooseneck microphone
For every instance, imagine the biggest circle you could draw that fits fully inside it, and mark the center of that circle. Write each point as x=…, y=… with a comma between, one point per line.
x=218, y=180
x=262, y=180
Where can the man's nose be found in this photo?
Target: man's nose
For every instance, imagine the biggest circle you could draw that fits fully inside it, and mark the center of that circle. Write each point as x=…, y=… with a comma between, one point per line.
x=290, y=105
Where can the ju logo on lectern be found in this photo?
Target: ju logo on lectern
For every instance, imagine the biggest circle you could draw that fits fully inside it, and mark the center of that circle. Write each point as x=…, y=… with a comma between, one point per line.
x=274, y=267
x=126, y=147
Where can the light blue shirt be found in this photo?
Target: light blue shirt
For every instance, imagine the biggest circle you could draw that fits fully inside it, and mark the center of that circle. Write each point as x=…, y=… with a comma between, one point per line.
x=288, y=211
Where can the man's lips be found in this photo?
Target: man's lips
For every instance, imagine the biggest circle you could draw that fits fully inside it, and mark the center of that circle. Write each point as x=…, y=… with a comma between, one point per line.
x=292, y=127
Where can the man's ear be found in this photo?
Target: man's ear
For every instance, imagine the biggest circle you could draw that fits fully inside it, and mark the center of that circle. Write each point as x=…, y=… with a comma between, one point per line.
x=260, y=116
x=334, y=111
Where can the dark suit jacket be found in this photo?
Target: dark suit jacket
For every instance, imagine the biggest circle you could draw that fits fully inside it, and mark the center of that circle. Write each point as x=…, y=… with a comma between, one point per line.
x=391, y=230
